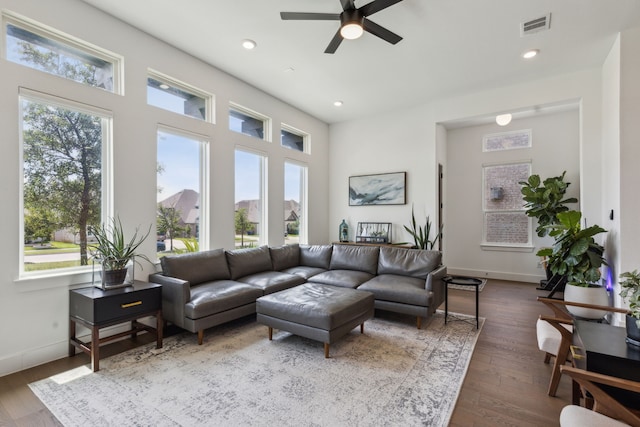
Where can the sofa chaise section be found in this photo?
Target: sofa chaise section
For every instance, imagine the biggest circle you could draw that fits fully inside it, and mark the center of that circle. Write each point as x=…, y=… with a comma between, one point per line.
x=409, y=281
x=198, y=293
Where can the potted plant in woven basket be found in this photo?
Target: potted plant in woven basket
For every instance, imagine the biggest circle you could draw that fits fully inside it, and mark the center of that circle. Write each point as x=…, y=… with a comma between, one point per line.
x=114, y=252
x=630, y=289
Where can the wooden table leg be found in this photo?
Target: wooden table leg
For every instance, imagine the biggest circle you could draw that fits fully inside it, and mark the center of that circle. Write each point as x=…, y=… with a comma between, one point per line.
x=95, y=349
x=72, y=337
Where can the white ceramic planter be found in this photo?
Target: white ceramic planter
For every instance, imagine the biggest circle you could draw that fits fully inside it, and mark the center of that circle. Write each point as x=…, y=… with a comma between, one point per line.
x=593, y=295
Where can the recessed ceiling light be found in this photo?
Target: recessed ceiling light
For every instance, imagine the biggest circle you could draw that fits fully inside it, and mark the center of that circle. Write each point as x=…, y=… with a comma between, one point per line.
x=530, y=53
x=164, y=86
x=503, y=119
x=338, y=103
x=248, y=44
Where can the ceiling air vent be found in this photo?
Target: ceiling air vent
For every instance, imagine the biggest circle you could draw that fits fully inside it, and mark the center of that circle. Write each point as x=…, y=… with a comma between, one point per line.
x=535, y=25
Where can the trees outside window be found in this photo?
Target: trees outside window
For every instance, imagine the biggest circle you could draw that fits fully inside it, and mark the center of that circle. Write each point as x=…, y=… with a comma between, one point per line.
x=62, y=180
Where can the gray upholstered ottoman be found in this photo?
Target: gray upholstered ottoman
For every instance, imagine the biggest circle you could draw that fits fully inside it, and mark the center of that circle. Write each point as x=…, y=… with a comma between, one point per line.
x=319, y=312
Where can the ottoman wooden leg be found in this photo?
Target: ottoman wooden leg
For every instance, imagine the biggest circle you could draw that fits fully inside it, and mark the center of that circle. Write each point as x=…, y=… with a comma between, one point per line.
x=270, y=333
x=362, y=328
x=326, y=350
x=200, y=336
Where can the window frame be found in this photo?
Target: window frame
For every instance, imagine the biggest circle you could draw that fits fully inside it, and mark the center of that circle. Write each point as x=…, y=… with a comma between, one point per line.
x=209, y=99
x=203, y=181
x=262, y=189
x=303, y=226
x=305, y=138
x=266, y=121
x=107, y=185
x=69, y=41
x=505, y=246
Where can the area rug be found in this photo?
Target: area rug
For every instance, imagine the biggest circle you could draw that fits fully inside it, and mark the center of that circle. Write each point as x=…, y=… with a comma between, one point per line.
x=393, y=375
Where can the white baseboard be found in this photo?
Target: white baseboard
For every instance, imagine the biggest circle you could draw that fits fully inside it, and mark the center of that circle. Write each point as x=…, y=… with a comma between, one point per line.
x=57, y=350
x=499, y=275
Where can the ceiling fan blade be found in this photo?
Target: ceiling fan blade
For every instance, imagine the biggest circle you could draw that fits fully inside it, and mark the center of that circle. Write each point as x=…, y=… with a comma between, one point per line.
x=381, y=32
x=347, y=4
x=334, y=43
x=377, y=6
x=304, y=16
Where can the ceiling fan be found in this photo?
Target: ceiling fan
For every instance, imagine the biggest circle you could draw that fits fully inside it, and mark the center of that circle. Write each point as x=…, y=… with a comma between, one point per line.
x=353, y=21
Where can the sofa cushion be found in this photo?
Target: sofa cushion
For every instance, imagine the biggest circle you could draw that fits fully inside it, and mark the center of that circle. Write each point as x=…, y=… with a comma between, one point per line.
x=408, y=262
x=197, y=267
x=360, y=258
x=342, y=278
x=304, y=271
x=272, y=281
x=401, y=289
x=218, y=296
x=284, y=257
x=243, y=262
x=316, y=255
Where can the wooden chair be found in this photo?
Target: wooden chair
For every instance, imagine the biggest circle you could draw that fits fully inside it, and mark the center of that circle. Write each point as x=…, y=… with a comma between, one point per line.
x=607, y=411
x=562, y=333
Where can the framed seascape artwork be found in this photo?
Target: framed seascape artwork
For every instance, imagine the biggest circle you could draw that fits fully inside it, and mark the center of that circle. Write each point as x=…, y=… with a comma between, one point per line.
x=380, y=189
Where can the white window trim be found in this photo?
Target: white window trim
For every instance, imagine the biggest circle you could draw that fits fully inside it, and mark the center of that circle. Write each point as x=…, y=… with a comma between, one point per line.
x=496, y=246
x=82, y=272
x=303, y=228
x=306, y=138
x=46, y=31
x=204, y=179
x=258, y=116
x=209, y=98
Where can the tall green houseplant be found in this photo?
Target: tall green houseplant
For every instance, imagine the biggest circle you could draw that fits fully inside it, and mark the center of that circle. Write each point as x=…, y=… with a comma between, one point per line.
x=421, y=234
x=544, y=200
x=575, y=255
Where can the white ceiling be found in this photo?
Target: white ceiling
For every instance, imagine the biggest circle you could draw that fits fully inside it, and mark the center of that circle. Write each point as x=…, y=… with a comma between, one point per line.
x=449, y=46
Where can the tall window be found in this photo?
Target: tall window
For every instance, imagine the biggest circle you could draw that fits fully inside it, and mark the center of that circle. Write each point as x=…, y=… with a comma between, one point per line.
x=250, y=215
x=295, y=215
x=505, y=220
x=63, y=163
x=59, y=54
x=180, y=193
x=166, y=93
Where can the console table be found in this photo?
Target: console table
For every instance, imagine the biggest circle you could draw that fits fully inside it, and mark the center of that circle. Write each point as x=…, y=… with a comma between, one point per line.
x=601, y=348
x=95, y=309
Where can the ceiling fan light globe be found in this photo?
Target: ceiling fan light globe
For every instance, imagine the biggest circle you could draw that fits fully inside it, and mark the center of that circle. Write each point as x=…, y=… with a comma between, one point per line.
x=351, y=31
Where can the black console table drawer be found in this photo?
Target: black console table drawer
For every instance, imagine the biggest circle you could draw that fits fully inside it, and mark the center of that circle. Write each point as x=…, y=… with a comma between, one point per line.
x=96, y=306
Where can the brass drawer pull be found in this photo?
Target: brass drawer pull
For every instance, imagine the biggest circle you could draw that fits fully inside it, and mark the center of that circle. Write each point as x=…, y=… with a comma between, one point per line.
x=576, y=352
x=131, y=304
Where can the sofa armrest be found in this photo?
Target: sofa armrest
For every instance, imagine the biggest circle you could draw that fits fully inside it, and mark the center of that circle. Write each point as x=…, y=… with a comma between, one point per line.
x=435, y=284
x=175, y=294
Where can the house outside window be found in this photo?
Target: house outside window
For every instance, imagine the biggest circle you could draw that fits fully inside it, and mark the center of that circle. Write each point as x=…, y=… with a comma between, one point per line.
x=250, y=218
x=295, y=203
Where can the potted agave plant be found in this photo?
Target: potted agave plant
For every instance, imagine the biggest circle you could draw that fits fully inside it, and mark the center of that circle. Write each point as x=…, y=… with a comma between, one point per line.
x=422, y=235
x=630, y=288
x=114, y=253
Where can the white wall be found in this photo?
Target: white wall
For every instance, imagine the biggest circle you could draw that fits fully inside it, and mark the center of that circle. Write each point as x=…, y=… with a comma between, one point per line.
x=555, y=148
x=408, y=140
x=34, y=313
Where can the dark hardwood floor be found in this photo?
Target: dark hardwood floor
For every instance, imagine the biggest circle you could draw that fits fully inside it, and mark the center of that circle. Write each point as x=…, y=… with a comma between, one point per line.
x=505, y=385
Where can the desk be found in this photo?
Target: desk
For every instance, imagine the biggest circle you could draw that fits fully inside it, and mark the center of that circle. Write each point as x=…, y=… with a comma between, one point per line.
x=606, y=352
x=461, y=281
x=95, y=308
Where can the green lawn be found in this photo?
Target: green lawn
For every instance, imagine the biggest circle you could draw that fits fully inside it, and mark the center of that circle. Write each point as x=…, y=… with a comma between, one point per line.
x=51, y=265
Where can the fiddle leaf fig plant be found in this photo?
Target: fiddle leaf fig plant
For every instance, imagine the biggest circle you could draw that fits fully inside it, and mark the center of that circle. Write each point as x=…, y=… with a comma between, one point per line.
x=630, y=288
x=545, y=200
x=575, y=255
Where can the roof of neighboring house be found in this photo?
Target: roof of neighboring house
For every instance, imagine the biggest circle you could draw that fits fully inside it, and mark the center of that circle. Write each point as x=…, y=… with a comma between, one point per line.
x=291, y=210
x=187, y=203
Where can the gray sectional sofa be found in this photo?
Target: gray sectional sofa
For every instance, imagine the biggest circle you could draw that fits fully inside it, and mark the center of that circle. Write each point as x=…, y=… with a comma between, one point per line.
x=205, y=289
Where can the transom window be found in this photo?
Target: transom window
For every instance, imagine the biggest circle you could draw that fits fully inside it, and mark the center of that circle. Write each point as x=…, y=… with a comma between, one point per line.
x=169, y=94
x=44, y=49
x=247, y=122
x=293, y=139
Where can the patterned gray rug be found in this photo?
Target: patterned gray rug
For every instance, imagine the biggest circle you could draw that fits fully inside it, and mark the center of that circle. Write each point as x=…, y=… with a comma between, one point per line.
x=393, y=375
